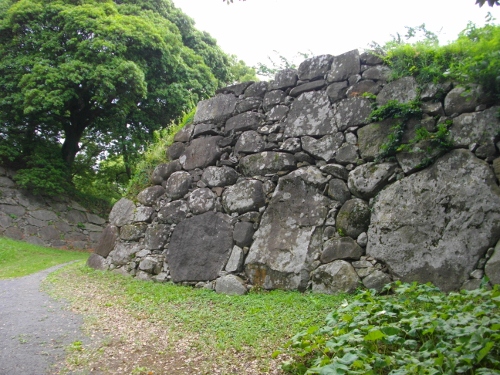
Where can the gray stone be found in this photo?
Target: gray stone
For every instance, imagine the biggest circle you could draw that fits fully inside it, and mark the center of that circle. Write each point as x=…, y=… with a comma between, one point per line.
x=336, y=170
x=201, y=153
x=148, y=196
x=97, y=262
x=292, y=145
x=496, y=168
x=217, y=109
x=107, y=241
x=432, y=108
x=95, y=219
x=377, y=73
x=219, y=176
x=201, y=200
x=143, y=214
x=6, y=182
x=149, y=265
x=204, y=129
x=288, y=240
x=338, y=190
x=478, y=127
x=347, y=154
x=132, y=232
x=492, y=267
x=243, y=122
x=235, y=261
x=44, y=215
x=277, y=113
x=13, y=211
x=310, y=114
x=184, y=135
x=231, y=285
x=418, y=156
x=324, y=148
x=308, y=86
x=311, y=176
x=175, y=150
x=199, y=247
x=75, y=217
x=163, y=171
x=249, y=142
x=315, y=67
x=471, y=285
x=335, y=277
x=403, y=90
x=248, y=104
x=477, y=274
x=122, y=212
x=433, y=91
x=6, y=221
x=336, y=91
x=340, y=248
x=284, y=79
x=247, y=195
x=353, y=218
x=123, y=253
x=344, y=66
x=272, y=99
x=367, y=86
x=362, y=239
x=486, y=151
x=243, y=233
x=368, y=179
x=462, y=100
x=256, y=89
x=178, y=185
x=236, y=89
x=437, y=223
x=376, y=280
x=370, y=58
x=156, y=236
x=352, y=112
x=267, y=162
x=173, y=212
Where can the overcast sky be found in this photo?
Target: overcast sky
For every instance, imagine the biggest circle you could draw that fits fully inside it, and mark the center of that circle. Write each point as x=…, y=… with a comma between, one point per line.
x=252, y=29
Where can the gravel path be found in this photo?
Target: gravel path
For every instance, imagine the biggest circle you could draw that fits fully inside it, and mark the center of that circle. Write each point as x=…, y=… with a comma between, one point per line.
x=34, y=328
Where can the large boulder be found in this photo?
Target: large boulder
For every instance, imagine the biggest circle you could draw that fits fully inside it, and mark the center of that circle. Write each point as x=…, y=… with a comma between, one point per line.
x=403, y=90
x=219, y=176
x=288, y=239
x=149, y=195
x=243, y=122
x=315, y=67
x=352, y=112
x=310, y=114
x=336, y=277
x=163, y=171
x=372, y=136
x=123, y=253
x=178, y=185
x=344, y=66
x=353, y=218
x=107, y=241
x=199, y=247
x=368, y=179
x=436, y=224
x=462, y=99
x=122, y=212
x=478, y=127
x=324, y=148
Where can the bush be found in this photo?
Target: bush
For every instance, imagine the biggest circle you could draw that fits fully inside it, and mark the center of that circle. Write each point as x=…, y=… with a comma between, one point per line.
x=155, y=155
x=418, y=330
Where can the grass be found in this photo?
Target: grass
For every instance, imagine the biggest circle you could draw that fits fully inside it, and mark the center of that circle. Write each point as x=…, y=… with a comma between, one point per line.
x=218, y=331
x=20, y=258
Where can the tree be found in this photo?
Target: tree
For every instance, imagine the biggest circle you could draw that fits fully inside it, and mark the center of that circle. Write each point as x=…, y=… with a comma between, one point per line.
x=95, y=70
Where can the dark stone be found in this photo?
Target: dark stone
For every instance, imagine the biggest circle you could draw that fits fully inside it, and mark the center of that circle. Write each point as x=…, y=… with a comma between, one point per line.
x=217, y=109
x=377, y=73
x=257, y=89
x=248, y=104
x=340, y=248
x=156, y=236
x=173, y=212
x=277, y=113
x=358, y=89
x=201, y=153
x=247, y=195
x=352, y=112
x=244, y=121
x=338, y=190
x=219, y=176
x=309, y=86
x=273, y=98
x=175, y=150
x=148, y=196
x=284, y=79
x=344, y=66
x=243, y=233
x=107, y=241
x=178, y=185
x=249, y=142
x=184, y=135
x=336, y=91
x=403, y=90
x=204, y=129
x=267, y=162
x=199, y=247
x=163, y=171
x=353, y=218
x=97, y=262
x=315, y=67
x=237, y=89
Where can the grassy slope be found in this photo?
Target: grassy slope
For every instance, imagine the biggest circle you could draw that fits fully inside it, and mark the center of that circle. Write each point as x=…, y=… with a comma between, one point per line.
x=21, y=258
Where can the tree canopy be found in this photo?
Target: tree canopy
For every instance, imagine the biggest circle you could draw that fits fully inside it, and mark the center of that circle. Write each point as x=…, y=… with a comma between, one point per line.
x=95, y=75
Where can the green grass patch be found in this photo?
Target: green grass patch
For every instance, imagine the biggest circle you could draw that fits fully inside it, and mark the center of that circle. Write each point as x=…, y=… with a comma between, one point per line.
x=21, y=258
x=260, y=320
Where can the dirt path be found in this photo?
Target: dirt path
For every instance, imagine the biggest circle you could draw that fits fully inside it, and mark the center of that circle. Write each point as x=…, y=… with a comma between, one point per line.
x=35, y=330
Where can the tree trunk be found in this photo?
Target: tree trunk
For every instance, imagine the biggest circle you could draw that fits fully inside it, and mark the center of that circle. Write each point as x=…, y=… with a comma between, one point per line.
x=73, y=132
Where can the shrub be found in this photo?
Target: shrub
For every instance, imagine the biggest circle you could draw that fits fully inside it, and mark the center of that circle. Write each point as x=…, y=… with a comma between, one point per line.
x=418, y=330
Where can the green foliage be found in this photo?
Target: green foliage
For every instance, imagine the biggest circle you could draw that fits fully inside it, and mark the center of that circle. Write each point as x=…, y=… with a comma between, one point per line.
x=241, y=72
x=474, y=58
x=155, y=154
x=418, y=330
x=21, y=258
x=98, y=77
x=401, y=111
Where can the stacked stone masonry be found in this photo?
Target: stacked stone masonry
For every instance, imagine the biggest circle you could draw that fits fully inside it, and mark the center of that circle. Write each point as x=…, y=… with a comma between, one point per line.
x=46, y=221
x=279, y=185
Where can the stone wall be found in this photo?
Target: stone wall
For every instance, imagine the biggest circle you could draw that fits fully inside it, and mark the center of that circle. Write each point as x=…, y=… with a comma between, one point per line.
x=280, y=185
x=46, y=221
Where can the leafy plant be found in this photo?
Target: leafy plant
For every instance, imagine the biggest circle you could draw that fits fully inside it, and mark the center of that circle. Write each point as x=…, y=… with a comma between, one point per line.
x=418, y=330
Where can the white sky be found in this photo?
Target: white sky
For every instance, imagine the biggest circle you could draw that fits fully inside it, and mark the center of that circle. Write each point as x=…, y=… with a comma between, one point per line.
x=252, y=29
